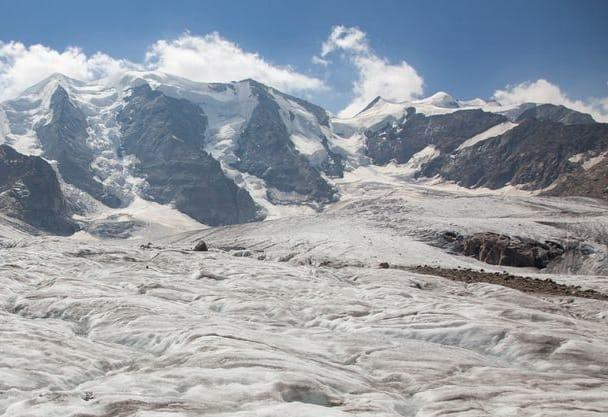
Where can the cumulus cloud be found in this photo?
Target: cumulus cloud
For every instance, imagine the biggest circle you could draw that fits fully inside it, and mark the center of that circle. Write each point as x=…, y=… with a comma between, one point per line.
x=208, y=58
x=376, y=75
x=542, y=91
x=22, y=66
x=319, y=61
x=347, y=39
x=213, y=58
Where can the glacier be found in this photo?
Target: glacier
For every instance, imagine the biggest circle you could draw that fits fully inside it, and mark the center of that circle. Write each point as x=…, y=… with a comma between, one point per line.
x=315, y=311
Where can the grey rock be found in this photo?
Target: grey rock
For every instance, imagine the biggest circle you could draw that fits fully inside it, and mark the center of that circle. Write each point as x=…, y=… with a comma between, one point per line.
x=400, y=141
x=63, y=138
x=497, y=249
x=114, y=227
x=559, y=114
x=592, y=182
x=534, y=154
x=30, y=191
x=266, y=151
x=200, y=246
x=167, y=137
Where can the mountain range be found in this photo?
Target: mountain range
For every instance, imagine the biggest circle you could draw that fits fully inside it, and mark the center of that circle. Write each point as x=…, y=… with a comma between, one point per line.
x=227, y=153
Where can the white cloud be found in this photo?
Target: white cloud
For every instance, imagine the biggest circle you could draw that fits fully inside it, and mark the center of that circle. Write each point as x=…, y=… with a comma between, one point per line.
x=542, y=91
x=214, y=59
x=22, y=66
x=376, y=75
x=202, y=58
x=343, y=38
x=319, y=61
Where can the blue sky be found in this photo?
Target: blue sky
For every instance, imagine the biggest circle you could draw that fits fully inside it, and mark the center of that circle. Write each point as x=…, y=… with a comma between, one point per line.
x=467, y=48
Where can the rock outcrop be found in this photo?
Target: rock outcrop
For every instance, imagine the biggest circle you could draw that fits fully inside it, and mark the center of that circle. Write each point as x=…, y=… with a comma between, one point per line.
x=63, y=139
x=400, y=141
x=558, y=114
x=497, y=249
x=533, y=154
x=30, y=192
x=587, y=181
x=266, y=151
x=167, y=137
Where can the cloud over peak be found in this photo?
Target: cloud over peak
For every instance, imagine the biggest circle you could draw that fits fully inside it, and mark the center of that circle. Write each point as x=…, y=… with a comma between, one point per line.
x=208, y=58
x=543, y=91
x=22, y=66
x=377, y=76
x=211, y=58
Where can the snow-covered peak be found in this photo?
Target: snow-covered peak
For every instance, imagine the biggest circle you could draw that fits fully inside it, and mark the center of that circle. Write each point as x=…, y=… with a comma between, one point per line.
x=476, y=102
x=30, y=109
x=45, y=88
x=371, y=104
x=439, y=99
x=377, y=111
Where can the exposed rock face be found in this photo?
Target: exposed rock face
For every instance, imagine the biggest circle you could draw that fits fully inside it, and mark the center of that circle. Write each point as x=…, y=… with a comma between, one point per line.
x=504, y=250
x=166, y=135
x=559, y=114
x=332, y=165
x=414, y=132
x=534, y=154
x=319, y=112
x=63, y=139
x=591, y=182
x=265, y=150
x=29, y=191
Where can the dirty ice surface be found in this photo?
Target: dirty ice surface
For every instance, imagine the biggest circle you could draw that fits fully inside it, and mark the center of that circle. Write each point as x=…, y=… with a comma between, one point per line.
x=293, y=317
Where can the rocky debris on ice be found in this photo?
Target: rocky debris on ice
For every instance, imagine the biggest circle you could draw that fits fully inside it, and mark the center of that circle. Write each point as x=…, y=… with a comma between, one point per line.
x=517, y=282
x=200, y=246
x=498, y=249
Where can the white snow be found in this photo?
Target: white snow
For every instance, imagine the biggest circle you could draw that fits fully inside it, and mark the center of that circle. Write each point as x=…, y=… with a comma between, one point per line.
x=577, y=158
x=593, y=161
x=421, y=157
x=381, y=111
x=588, y=161
x=494, y=131
x=385, y=111
x=151, y=212
x=291, y=316
x=4, y=127
x=439, y=99
x=306, y=145
x=166, y=331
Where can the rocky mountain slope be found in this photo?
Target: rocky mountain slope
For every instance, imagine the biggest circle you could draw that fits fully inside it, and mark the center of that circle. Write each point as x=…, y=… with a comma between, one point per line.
x=166, y=135
x=29, y=191
x=238, y=152
x=368, y=290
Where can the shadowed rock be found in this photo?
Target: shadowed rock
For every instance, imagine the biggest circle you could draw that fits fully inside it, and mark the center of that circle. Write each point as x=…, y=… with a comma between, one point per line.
x=200, y=246
x=504, y=250
x=63, y=139
x=534, y=154
x=266, y=151
x=559, y=114
x=416, y=131
x=29, y=191
x=591, y=182
x=167, y=137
